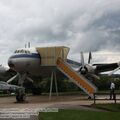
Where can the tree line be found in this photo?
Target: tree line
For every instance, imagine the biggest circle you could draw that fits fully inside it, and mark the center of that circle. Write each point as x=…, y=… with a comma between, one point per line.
x=42, y=85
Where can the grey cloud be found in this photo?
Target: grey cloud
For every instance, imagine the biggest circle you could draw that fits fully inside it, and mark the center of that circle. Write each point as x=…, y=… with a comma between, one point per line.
x=103, y=33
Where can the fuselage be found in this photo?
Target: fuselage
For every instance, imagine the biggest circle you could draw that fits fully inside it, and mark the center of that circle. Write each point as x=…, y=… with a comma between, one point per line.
x=25, y=60
x=28, y=60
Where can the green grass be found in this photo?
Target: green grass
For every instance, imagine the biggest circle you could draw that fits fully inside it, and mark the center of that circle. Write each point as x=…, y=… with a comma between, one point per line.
x=6, y=95
x=79, y=115
x=110, y=107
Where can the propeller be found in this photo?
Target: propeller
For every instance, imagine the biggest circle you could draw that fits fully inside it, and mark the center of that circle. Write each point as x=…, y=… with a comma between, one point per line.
x=87, y=68
x=90, y=58
x=83, y=68
x=82, y=60
x=13, y=78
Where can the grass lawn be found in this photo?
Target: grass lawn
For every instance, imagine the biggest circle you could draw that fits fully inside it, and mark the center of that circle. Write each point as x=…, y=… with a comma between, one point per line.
x=68, y=114
x=6, y=95
x=110, y=107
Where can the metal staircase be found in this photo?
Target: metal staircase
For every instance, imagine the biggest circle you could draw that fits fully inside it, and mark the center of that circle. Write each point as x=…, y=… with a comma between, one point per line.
x=77, y=78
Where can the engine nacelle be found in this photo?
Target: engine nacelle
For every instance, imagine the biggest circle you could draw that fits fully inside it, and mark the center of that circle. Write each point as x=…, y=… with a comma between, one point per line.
x=87, y=69
x=83, y=70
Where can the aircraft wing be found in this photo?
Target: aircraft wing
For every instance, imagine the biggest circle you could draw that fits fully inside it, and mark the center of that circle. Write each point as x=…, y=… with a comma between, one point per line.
x=97, y=68
x=105, y=67
x=6, y=86
x=73, y=63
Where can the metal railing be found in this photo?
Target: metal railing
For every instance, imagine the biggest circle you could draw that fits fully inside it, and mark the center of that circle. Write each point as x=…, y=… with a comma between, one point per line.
x=104, y=98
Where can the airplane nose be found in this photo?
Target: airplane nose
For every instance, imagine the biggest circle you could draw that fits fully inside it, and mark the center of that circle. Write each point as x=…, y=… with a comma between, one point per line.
x=10, y=63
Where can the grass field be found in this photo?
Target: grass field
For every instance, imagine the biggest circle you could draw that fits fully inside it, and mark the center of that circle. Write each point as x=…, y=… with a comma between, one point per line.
x=70, y=114
x=110, y=107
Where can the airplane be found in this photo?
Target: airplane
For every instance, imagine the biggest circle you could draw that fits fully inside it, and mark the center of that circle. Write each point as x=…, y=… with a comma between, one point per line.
x=28, y=61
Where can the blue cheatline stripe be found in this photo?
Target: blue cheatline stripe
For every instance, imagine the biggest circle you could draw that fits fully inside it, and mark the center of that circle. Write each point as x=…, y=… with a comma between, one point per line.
x=32, y=55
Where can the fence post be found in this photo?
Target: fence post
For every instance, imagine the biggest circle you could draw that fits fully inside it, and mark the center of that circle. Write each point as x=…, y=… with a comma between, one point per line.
x=94, y=99
x=115, y=97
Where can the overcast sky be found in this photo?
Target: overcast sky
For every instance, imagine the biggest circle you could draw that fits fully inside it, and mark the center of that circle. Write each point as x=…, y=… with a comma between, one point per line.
x=82, y=25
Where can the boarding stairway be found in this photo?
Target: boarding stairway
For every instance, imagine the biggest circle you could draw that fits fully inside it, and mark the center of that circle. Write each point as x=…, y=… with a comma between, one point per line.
x=82, y=82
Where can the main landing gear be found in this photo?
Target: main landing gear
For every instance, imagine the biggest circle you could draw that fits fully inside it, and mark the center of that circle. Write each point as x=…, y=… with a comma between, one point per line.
x=20, y=92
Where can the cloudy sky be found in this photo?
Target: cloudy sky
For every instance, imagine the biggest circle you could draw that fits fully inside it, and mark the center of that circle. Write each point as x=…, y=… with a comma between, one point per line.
x=82, y=25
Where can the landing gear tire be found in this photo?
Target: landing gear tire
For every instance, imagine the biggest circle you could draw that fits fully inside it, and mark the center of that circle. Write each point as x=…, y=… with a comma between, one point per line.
x=20, y=95
x=20, y=98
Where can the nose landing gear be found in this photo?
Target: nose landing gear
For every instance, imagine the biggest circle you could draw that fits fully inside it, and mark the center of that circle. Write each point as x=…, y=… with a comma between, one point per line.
x=20, y=94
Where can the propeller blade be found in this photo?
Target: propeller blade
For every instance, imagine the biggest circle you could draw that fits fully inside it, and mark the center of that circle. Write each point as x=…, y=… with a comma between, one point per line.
x=95, y=76
x=89, y=58
x=13, y=78
x=29, y=79
x=82, y=59
x=115, y=70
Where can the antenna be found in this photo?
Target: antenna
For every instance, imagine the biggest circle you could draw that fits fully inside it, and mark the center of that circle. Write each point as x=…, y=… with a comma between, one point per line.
x=25, y=46
x=28, y=44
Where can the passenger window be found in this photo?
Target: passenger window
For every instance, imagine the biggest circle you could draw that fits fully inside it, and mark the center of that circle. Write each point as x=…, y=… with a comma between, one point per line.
x=22, y=51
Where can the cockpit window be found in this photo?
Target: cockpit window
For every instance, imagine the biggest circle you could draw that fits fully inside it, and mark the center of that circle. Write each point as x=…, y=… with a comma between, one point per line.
x=22, y=51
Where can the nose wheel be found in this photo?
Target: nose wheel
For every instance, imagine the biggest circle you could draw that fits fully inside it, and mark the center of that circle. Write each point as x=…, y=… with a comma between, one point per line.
x=20, y=95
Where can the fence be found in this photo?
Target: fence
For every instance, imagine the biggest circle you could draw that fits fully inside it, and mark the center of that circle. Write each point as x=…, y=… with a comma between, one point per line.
x=116, y=95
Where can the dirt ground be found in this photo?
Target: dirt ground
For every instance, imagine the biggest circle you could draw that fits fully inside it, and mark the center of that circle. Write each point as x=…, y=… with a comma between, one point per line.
x=43, y=101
